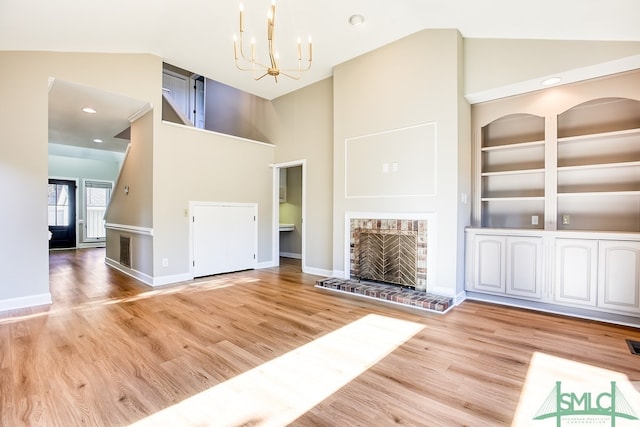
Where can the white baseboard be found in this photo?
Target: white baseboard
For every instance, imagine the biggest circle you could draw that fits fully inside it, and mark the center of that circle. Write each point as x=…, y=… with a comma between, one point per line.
x=266, y=264
x=317, y=271
x=290, y=255
x=144, y=278
x=338, y=274
x=25, y=302
x=167, y=280
x=442, y=291
x=92, y=245
x=460, y=298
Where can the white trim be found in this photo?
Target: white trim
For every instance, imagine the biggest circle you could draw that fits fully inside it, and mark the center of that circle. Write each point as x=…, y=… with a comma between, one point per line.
x=142, y=277
x=385, y=301
x=339, y=274
x=141, y=112
x=460, y=298
x=145, y=231
x=96, y=244
x=168, y=280
x=570, y=76
x=432, y=229
x=186, y=121
x=26, y=302
x=290, y=255
x=253, y=141
x=266, y=264
x=395, y=196
x=84, y=239
x=145, y=278
x=275, y=246
x=318, y=272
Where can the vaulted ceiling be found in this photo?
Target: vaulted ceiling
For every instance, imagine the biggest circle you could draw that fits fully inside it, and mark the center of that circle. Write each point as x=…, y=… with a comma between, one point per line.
x=197, y=35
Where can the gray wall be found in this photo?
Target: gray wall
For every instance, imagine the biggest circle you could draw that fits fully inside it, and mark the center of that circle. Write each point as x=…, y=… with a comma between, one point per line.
x=302, y=125
x=368, y=102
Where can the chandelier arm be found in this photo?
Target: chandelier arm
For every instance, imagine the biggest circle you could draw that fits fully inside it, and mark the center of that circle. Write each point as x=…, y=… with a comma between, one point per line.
x=241, y=68
x=284, y=73
x=258, y=78
x=299, y=69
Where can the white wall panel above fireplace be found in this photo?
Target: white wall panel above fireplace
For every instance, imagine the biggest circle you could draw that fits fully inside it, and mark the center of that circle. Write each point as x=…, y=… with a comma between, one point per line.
x=394, y=163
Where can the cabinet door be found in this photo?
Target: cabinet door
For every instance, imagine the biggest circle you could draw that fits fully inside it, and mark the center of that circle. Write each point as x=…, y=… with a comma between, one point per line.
x=576, y=271
x=618, y=275
x=489, y=263
x=524, y=266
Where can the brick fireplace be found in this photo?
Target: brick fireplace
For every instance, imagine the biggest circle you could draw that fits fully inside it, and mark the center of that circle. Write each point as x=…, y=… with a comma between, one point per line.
x=389, y=250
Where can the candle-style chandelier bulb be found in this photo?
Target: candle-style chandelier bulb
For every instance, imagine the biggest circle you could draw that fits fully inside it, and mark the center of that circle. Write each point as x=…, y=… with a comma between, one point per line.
x=260, y=70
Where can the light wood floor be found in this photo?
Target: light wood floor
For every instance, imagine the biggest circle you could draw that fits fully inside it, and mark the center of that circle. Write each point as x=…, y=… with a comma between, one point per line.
x=110, y=351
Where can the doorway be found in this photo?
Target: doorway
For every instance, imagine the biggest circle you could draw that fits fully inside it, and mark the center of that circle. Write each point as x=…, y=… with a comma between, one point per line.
x=289, y=213
x=62, y=213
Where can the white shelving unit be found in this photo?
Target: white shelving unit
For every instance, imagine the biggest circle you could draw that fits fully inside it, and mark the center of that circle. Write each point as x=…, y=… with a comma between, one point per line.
x=598, y=152
x=557, y=178
x=513, y=172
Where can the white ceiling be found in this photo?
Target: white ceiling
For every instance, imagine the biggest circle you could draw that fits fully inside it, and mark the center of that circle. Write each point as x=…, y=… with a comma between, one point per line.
x=72, y=131
x=197, y=35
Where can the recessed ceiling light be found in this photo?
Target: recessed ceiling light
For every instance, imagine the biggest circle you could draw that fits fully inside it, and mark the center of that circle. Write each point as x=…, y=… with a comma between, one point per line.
x=356, y=20
x=98, y=141
x=89, y=110
x=551, y=81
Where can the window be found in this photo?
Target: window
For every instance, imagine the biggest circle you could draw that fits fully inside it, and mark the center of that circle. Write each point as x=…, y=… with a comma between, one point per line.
x=96, y=200
x=58, y=204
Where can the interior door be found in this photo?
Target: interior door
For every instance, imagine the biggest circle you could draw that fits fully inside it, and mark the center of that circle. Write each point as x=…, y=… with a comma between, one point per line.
x=224, y=239
x=62, y=213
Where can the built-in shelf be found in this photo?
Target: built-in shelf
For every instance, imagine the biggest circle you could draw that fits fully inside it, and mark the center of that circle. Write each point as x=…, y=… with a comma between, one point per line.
x=599, y=166
x=287, y=227
x=600, y=135
x=515, y=146
x=556, y=202
x=513, y=172
x=600, y=193
x=511, y=199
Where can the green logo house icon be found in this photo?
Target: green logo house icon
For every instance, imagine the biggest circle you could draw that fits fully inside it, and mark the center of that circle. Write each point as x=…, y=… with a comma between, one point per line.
x=611, y=404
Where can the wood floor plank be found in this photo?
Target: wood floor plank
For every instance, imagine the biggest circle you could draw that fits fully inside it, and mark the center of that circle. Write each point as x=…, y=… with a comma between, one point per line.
x=111, y=351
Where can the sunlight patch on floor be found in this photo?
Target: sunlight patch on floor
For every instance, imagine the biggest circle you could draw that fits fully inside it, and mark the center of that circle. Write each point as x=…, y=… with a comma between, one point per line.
x=563, y=392
x=281, y=390
x=167, y=290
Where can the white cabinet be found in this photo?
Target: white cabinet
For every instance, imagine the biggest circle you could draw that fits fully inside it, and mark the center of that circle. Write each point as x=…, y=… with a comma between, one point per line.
x=576, y=271
x=510, y=265
x=489, y=263
x=619, y=276
x=524, y=266
x=225, y=238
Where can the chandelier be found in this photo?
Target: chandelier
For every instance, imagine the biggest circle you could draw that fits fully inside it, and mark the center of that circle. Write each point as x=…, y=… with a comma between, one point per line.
x=260, y=70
